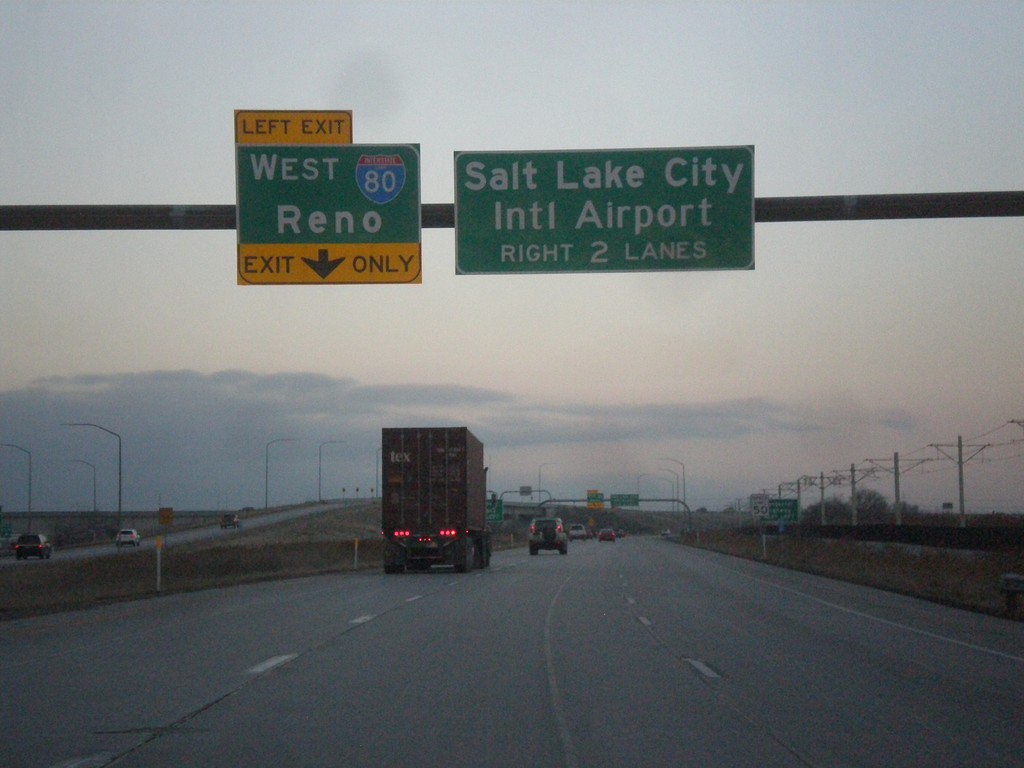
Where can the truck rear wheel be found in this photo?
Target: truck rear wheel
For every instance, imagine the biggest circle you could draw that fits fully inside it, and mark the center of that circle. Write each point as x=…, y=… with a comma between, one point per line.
x=465, y=557
x=482, y=551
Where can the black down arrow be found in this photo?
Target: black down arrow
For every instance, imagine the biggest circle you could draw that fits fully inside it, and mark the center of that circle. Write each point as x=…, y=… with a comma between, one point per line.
x=323, y=266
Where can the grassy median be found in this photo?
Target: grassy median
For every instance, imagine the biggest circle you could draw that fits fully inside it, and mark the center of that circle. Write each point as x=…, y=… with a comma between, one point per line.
x=342, y=540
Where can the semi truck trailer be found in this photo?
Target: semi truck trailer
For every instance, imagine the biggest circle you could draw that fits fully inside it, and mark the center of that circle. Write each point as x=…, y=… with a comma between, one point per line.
x=434, y=499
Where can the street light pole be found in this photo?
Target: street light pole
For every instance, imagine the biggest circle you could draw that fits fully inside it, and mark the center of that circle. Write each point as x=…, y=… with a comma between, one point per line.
x=684, y=476
x=109, y=432
x=320, y=469
x=645, y=474
x=540, y=483
x=379, y=459
x=79, y=461
x=266, y=474
x=689, y=517
x=675, y=488
x=29, y=454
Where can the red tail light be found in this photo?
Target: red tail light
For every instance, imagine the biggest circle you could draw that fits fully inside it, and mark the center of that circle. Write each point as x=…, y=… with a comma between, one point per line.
x=448, y=533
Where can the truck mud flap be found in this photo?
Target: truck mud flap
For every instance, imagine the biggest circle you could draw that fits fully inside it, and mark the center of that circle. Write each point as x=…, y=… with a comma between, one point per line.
x=464, y=555
x=394, y=558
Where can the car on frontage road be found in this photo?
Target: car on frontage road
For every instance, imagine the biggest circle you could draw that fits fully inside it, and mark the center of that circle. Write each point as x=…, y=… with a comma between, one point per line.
x=33, y=545
x=127, y=537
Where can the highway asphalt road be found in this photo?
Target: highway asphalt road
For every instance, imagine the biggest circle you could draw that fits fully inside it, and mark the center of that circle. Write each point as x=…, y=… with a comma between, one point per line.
x=637, y=653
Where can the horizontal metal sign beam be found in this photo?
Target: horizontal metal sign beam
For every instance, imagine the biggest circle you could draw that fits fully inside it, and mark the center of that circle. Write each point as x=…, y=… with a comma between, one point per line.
x=939, y=205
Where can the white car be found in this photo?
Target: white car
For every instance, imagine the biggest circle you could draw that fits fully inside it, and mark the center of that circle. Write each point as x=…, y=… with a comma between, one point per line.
x=127, y=537
x=577, y=531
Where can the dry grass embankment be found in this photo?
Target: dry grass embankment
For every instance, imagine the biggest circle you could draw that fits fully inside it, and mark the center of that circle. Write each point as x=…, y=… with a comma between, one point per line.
x=320, y=543
x=336, y=541
x=953, y=577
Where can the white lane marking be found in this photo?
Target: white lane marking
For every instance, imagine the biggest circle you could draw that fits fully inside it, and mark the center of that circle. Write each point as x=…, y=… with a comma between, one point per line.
x=273, y=661
x=703, y=668
x=896, y=624
x=630, y=601
x=568, y=748
x=93, y=761
x=362, y=619
x=644, y=620
x=413, y=599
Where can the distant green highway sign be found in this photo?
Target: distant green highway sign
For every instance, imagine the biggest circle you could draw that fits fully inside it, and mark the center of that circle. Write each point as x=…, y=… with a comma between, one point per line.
x=625, y=500
x=495, y=510
x=604, y=210
x=784, y=510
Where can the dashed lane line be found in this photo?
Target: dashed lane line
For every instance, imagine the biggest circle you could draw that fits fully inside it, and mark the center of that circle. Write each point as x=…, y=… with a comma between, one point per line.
x=271, y=663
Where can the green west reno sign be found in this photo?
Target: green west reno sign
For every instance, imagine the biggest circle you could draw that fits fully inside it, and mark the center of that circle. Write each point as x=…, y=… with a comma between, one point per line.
x=604, y=210
x=312, y=214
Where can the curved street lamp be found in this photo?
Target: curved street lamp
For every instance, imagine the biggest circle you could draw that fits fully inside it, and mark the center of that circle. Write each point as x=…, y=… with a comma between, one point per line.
x=266, y=474
x=675, y=487
x=681, y=464
x=689, y=517
x=379, y=458
x=109, y=432
x=649, y=474
x=320, y=469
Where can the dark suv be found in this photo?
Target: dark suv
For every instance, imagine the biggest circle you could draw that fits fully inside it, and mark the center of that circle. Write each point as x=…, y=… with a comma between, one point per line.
x=548, y=533
x=33, y=544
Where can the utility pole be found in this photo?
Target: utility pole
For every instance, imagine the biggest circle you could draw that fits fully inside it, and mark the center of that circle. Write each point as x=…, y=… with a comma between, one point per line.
x=960, y=461
x=853, y=494
x=896, y=471
x=896, y=480
x=821, y=481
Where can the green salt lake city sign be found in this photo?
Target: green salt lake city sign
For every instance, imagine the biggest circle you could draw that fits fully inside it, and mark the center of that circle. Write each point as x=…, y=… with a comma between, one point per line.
x=604, y=210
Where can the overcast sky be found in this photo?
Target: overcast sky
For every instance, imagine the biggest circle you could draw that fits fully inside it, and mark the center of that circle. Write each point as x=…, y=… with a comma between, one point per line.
x=848, y=341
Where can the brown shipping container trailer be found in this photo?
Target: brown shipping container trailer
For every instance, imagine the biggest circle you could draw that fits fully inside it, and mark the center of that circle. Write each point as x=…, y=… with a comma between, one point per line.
x=434, y=499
